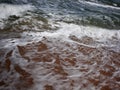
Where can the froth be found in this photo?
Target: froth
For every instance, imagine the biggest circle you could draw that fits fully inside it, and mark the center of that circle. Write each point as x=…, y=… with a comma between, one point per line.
x=7, y=9
x=58, y=59
x=66, y=30
x=72, y=33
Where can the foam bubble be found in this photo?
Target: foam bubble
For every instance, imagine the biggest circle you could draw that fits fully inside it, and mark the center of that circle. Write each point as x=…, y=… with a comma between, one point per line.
x=65, y=33
x=79, y=31
x=99, y=5
x=58, y=61
x=7, y=9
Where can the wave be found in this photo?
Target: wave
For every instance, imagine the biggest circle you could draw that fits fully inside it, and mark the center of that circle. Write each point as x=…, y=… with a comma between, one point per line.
x=8, y=9
x=52, y=59
x=90, y=12
x=59, y=44
x=100, y=36
x=14, y=1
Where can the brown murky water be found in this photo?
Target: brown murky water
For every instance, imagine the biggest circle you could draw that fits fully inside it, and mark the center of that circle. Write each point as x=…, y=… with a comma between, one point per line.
x=53, y=64
x=59, y=45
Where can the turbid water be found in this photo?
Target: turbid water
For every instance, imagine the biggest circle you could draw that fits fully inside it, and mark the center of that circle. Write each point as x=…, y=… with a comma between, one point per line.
x=59, y=45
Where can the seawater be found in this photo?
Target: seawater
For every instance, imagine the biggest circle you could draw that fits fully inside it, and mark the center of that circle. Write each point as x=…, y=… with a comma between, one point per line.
x=59, y=45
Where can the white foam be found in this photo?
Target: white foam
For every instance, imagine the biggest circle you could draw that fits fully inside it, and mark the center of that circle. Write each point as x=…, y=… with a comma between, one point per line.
x=7, y=9
x=65, y=31
x=99, y=5
x=79, y=31
x=43, y=76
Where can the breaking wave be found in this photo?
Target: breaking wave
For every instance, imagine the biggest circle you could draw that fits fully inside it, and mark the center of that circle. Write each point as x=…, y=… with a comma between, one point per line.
x=59, y=45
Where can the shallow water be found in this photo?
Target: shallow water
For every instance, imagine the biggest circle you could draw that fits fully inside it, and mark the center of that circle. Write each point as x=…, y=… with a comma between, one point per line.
x=59, y=45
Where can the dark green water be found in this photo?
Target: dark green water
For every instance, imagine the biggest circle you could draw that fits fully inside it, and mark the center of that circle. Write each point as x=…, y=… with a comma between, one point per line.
x=85, y=12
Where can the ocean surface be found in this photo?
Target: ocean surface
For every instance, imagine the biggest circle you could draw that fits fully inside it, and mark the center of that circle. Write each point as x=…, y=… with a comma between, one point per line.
x=59, y=44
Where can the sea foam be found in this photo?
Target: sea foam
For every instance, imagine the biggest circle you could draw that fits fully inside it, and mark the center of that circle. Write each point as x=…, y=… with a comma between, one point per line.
x=8, y=9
